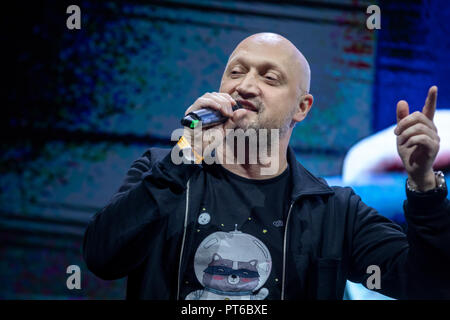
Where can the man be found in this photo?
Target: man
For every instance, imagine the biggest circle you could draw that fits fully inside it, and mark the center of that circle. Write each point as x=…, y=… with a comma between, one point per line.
x=227, y=231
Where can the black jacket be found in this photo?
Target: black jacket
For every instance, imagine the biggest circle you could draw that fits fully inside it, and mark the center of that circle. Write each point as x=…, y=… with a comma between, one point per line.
x=331, y=236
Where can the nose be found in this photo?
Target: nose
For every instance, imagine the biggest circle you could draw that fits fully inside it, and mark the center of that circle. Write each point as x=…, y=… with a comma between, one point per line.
x=248, y=87
x=233, y=279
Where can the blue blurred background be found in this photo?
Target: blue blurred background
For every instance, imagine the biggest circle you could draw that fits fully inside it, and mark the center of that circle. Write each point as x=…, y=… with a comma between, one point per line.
x=81, y=105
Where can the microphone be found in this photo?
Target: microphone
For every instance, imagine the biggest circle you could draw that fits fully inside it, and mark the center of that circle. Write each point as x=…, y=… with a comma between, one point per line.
x=207, y=117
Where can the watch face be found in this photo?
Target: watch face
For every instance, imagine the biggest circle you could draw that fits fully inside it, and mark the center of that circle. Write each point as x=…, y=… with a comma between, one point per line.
x=440, y=180
x=440, y=183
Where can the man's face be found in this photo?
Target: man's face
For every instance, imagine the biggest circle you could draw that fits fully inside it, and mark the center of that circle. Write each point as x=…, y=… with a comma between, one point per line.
x=265, y=76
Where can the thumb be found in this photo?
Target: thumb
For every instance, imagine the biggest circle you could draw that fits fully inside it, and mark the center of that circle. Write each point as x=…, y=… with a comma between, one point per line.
x=402, y=110
x=232, y=123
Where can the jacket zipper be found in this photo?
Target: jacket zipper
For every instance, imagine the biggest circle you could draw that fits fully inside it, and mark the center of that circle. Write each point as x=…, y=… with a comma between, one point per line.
x=182, y=242
x=284, y=251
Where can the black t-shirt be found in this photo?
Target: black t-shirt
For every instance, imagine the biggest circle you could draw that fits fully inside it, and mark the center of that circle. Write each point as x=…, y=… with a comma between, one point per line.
x=236, y=250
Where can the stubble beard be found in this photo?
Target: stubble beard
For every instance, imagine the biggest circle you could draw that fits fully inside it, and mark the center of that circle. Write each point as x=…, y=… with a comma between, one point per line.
x=263, y=128
x=259, y=123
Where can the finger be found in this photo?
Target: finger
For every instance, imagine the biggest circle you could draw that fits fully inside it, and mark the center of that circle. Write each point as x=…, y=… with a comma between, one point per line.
x=412, y=119
x=421, y=139
x=198, y=104
x=402, y=110
x=238, y=114
x=228, y=97
x=416, y=129
x=204, y=102
x=224, y=102
x=228, y=101
x=430, y=103
x=232, y=122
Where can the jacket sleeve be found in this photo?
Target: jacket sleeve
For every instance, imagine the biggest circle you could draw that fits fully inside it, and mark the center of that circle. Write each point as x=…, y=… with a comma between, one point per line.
x=413, y=265
x=117, y=238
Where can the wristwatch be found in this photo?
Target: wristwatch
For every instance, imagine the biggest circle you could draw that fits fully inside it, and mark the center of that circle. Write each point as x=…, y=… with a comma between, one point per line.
x=441, y=185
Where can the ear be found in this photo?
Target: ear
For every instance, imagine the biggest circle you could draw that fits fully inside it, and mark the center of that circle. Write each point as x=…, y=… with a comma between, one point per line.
x=253, y=262
x=304, y=106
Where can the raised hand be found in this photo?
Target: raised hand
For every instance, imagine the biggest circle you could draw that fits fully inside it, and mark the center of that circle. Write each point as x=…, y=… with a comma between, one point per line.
x=418, y=141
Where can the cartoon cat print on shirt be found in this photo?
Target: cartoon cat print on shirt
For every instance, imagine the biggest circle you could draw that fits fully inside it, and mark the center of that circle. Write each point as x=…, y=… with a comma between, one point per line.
x=224, y=272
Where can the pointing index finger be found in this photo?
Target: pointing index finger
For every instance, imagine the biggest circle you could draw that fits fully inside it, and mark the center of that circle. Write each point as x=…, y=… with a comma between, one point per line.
x=430, y=103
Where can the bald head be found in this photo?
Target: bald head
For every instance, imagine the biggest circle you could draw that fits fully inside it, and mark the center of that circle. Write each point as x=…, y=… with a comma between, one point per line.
x=297, y=63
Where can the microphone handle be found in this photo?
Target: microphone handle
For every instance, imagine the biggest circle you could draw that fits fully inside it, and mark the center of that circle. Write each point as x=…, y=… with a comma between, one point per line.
x=207, y=117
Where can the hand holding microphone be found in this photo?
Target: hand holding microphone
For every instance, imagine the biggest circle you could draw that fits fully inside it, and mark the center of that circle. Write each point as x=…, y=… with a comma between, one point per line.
x=215, y=111
x=208, y=116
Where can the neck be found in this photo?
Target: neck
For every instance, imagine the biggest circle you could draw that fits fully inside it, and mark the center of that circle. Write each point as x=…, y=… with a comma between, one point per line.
x=268, y=162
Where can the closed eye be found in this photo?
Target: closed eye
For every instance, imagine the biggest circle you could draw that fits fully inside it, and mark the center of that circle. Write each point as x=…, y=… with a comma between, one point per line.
x=271, y=76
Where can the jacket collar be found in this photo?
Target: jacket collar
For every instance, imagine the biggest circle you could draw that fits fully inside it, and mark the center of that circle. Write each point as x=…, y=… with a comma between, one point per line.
x=303, y=181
